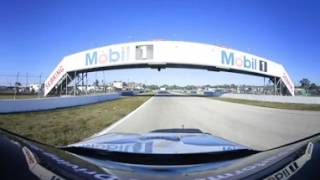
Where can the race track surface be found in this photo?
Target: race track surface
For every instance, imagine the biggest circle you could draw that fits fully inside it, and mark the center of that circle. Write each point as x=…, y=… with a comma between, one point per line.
x=256, y=127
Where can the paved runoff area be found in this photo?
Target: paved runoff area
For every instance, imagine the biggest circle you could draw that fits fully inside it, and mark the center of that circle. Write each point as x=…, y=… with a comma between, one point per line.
x=256, y=127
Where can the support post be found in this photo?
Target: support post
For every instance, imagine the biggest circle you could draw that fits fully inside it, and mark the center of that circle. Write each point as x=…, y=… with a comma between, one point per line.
x=275, y=86
x=40, y=88
x=104, y=83
x=75, y=79
x=264, y=85
x=67, y=84
x=82, y=83
x=280, y=87
x=60, y=89
x=86, y=83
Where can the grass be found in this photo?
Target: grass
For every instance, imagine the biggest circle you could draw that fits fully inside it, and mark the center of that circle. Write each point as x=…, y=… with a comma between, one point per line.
x=65, y=126
x=146, y=94
x=291, y=106
x=8, y=96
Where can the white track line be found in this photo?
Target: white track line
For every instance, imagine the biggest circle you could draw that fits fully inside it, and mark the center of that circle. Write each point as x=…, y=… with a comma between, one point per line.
x=121, y=121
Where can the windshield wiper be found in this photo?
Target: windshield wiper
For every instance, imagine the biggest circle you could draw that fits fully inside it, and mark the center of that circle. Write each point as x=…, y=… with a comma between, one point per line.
x=160, y=159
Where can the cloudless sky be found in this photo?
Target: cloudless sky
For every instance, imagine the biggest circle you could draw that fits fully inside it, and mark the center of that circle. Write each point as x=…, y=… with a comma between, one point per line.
x=36, y=34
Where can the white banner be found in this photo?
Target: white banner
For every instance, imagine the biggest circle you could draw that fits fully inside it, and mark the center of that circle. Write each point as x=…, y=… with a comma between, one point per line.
x=153, y=53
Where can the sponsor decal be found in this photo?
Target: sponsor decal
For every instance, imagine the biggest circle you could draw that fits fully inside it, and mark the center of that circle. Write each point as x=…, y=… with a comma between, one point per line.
x=31, y=160
x=116, y=55
x=229, y=148
x=144, y=52
x=244, y=62
x=78, y=169
x=64, y=164
x=110, y=55
x=159, y=146
x=286, y=80
x=37, y=169
x=127, y=147
x=292, y=168
x=247, y=169
x=55, y=76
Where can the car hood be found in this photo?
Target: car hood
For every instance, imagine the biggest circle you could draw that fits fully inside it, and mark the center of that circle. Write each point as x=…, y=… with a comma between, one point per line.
x=32, y=159
x=160, y=143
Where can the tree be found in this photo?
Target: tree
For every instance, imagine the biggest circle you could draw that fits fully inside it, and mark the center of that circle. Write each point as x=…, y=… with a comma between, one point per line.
x=18, y=84
x=153, y=87
x=314, y=89
x=313, y=86
x=164, y=86
x=96, y=82
x=305, y=84
x=17, y=87
x=190, y=87
x=233, y=86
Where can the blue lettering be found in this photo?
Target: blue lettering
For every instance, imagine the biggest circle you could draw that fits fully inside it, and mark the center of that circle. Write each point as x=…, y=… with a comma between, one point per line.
x=238, y=61
x=247, y=62
x=104, y=177
x=91, y=60
x=122, y=54
x=227, y=59
x=114, y=56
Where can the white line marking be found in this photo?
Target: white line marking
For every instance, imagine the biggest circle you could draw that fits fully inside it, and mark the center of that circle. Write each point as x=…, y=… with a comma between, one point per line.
x=121, y=121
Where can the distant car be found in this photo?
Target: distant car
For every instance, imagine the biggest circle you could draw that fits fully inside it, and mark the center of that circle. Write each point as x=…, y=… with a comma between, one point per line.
x=163, y=91
x=160, y=154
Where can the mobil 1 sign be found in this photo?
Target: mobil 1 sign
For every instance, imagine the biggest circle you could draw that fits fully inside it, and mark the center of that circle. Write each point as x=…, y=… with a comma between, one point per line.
x=144, y=52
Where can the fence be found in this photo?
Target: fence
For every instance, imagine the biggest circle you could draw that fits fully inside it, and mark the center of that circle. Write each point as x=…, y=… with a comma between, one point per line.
x=271, y=98
x=28, y=105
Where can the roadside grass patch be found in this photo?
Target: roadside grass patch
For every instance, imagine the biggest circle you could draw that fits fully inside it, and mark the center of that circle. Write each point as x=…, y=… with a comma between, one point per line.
x=69, y=125
x=18, y=96
x=278, y=105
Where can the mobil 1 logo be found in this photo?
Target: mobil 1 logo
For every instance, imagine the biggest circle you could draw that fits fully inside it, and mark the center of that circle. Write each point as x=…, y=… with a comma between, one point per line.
x=263, y=66
x=144, y=52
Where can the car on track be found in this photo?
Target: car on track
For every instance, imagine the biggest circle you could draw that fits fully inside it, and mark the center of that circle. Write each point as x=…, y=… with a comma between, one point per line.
x=160, y=154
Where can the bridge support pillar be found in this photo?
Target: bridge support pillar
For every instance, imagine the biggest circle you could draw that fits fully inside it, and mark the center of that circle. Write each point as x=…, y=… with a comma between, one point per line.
x=278, y=89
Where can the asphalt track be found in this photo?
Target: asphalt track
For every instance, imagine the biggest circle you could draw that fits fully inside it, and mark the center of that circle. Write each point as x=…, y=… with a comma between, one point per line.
x=256, y=127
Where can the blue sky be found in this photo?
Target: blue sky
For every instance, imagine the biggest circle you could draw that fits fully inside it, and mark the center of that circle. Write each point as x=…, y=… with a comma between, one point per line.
x=35, y=35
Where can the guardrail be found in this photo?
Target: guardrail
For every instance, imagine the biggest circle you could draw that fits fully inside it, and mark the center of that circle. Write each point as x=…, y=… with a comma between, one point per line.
x=29, y=105
x=270, y=98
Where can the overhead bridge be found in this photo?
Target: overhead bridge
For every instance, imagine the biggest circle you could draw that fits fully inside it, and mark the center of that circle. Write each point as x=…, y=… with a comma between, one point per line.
x=164, y=54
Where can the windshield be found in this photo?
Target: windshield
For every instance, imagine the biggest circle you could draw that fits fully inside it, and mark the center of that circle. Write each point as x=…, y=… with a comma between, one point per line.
x=160, y=78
